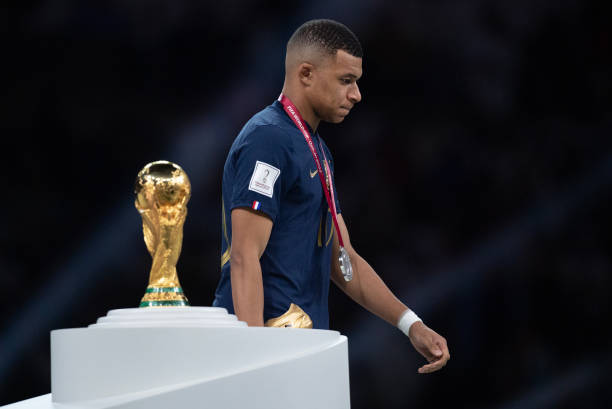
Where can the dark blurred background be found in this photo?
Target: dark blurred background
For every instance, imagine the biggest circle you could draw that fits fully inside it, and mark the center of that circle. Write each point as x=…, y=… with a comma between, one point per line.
x=475, y=176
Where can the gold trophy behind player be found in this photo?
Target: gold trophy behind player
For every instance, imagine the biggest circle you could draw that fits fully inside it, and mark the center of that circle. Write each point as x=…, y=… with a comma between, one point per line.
x=162, y=192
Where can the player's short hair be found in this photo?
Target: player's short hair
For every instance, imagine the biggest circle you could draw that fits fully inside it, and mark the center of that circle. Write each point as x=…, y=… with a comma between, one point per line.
x=328, y=35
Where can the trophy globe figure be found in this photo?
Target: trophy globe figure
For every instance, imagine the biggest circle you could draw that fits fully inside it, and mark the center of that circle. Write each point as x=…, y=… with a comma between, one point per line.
x=162, y=191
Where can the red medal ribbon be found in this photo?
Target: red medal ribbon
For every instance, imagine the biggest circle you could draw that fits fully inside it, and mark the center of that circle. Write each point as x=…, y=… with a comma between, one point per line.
x=295, y=116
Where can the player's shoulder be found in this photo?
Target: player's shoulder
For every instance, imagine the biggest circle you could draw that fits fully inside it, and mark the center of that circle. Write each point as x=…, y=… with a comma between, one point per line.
x=267, y=128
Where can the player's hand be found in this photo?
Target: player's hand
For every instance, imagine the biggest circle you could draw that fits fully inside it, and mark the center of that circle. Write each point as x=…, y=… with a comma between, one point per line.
x=429, y=344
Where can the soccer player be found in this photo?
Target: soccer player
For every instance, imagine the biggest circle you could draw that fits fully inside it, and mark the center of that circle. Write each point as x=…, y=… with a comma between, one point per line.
x=283, y=234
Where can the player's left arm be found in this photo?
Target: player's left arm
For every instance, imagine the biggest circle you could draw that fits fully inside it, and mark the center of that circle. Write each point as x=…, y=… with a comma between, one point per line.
x=369, y=290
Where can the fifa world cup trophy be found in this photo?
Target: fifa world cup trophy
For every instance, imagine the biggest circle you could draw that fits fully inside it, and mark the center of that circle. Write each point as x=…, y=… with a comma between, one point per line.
x=162, y=192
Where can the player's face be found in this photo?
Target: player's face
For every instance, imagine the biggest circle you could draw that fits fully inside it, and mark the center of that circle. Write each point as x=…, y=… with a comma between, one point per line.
x=335, y=90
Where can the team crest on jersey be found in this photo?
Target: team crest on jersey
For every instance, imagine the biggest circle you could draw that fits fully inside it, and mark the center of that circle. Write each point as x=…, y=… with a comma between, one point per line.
x=263, y=178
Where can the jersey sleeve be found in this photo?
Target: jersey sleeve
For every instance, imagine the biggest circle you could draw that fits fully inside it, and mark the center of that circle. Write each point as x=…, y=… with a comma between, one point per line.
x=262, y=167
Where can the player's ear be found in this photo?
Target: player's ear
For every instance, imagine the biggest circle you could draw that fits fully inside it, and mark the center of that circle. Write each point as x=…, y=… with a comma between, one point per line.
x=305, y=73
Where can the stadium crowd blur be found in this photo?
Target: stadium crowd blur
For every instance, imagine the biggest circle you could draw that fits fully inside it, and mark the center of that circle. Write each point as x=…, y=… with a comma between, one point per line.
x=475, y=176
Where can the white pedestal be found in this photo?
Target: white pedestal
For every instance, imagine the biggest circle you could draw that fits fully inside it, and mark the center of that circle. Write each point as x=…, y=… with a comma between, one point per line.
x=193, y=357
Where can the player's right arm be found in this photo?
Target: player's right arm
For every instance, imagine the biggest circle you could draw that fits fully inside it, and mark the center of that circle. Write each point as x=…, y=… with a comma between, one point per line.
x=250, y=235
x=259, y=171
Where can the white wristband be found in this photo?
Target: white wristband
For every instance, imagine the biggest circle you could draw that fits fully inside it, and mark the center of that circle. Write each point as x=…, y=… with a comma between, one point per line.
x=406, y=320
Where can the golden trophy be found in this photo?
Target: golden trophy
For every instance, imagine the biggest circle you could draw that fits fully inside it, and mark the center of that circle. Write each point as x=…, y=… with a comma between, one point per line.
x=162, y=192
x=294, y=317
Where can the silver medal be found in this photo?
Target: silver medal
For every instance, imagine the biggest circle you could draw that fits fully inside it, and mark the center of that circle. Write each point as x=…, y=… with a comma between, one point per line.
x=345, y=265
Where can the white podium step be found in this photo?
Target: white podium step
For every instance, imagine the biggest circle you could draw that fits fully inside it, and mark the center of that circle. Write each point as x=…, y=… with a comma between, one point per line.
x=167, y=317
x=193, y=357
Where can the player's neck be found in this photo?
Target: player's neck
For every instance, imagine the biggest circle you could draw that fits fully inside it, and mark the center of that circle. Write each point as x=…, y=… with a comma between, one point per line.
x=304, y=108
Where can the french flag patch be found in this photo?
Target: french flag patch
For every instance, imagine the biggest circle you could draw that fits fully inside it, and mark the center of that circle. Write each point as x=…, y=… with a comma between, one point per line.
x=256, y=205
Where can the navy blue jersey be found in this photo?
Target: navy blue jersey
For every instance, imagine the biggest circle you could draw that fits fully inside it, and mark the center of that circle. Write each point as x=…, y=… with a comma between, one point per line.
x=270, y=168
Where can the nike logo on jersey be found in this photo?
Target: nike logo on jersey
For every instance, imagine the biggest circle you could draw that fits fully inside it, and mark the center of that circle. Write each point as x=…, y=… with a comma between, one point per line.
x=313, y=173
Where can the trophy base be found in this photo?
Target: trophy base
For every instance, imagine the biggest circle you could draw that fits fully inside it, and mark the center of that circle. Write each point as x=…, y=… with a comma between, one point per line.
x=172, y=303
x=193, y=357
x=164, y=297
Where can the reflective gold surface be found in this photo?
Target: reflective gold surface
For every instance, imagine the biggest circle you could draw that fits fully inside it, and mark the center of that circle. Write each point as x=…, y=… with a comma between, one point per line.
x=295, y=317
x=162, y=192
x=225, y=257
